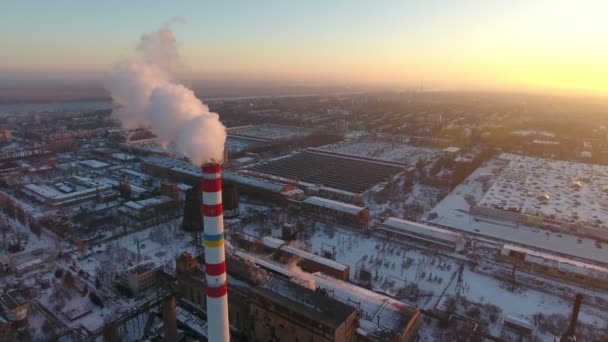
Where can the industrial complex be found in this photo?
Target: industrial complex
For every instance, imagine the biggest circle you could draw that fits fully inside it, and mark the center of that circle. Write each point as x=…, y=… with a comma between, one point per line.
x=313, y=227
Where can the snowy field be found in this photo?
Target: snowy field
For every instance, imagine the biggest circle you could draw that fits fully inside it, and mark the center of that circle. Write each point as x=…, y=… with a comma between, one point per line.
x=378, y=149
x=577, y=193
x=453, y=212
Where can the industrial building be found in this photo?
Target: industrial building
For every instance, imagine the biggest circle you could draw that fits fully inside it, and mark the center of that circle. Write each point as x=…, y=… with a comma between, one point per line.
x=324, y=174
x=139, y=278
x=337, y=212
x=380, y=318
x=263, y=307
x=147, y=208
x=297, y=313
x=53, y=197
x=307, y=261
x=189, y=174
x=555, y=266
x=549, y=194
x=422, y=233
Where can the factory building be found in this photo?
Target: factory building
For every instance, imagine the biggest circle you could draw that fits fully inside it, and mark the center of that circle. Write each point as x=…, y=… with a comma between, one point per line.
x=336, y=212
x=309, y=262
x=150, y=209
x=263, y=308
x=555, y=266
x=52, y=197
x=289, y=312
x=189, y=174
x=422, y=233
x=331, y=175
x=139, y=278
x=379, y=318
x=313, y=263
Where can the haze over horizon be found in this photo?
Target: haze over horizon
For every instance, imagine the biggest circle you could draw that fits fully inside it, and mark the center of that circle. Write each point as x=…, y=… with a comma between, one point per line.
x=538, y=46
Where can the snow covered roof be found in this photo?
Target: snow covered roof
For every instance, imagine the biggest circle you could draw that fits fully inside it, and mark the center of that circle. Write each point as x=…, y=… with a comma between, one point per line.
x=518, y=321
x=31, y=263
x=380, y=310
x=134, y=205
x=545, y=142
x=122, y=156
x=334, y=205
x=191, y=321
x=451, y=149
x=141, y=268
x=134, y=173
x=559, y=263
x=312, y=257
x=48, y=192
x=306, y=301
x=272, y=242
x=258, y=183
x=149, y=202
x=94, y=164
x=42, y=190
x=422, y=230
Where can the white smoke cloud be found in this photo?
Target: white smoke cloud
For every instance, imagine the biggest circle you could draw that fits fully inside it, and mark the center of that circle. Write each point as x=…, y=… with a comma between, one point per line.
x=297, y=272
x=146, y=95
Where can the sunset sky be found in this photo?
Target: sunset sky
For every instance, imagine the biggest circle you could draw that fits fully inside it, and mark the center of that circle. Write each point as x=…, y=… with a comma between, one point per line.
x=489, y=45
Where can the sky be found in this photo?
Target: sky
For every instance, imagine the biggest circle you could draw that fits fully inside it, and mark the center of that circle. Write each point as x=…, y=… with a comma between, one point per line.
x=556, y=46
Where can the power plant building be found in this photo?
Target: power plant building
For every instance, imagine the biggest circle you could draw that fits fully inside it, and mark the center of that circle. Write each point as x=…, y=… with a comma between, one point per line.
x=264, y=307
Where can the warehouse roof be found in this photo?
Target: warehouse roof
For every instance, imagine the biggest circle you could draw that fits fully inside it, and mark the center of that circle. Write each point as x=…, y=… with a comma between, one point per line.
x=422, y=229
x=305, y=302
x=258, y=183
x=334, y=205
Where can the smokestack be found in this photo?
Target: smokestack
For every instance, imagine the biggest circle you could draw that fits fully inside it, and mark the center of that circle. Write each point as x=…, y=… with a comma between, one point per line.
x=215, y=259
x=570, y=334
x=169, y=319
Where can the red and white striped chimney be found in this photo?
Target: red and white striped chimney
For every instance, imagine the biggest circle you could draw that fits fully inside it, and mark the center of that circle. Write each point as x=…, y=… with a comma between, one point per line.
x=215, y=259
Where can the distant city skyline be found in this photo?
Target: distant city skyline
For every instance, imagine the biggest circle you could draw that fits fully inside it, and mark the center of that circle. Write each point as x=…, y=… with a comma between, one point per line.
x=548, y=46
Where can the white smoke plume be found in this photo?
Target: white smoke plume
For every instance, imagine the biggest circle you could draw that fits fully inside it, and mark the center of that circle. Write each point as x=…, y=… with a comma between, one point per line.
x=297, y=272
x=147, y=95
